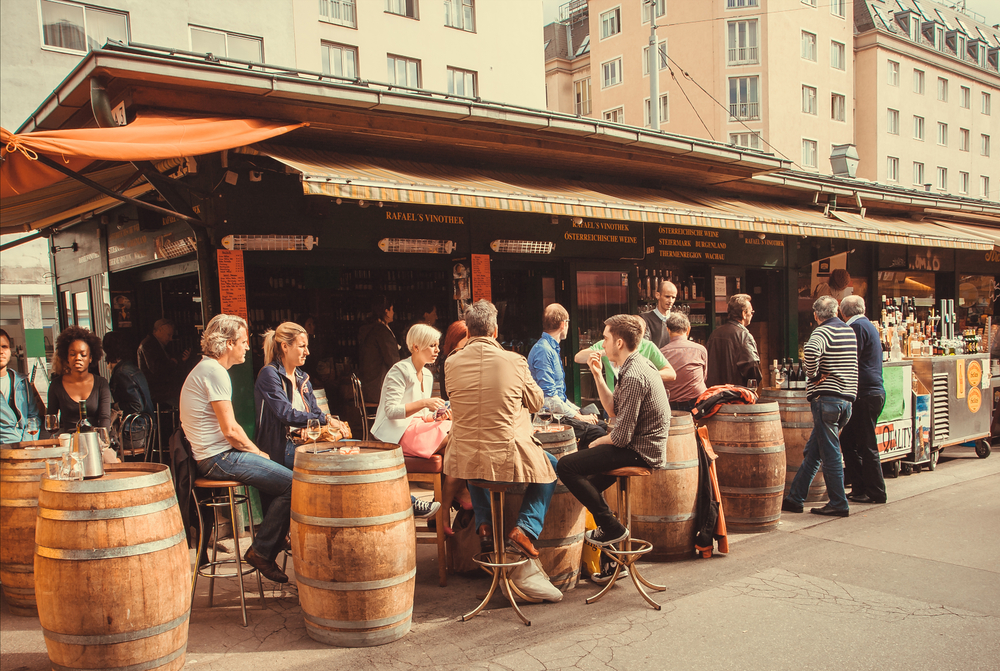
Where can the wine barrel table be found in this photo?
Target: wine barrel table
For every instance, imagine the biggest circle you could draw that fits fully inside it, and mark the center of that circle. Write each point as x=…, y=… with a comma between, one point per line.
x=796, y=427
x=21, y=471
x=112, y=571
x=663, y=505
x=751, y=465
x=560, y=545
x=354, y=543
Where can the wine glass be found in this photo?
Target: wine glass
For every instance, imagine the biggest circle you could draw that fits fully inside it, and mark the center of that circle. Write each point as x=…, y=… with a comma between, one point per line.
x=558, y=410
x=52, y=424
x=31, y=427
x=103, y=437
x=312, y=432
x=545, y=415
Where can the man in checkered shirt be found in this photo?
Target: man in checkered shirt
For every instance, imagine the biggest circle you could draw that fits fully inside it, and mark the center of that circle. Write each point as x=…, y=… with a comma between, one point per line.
x=639, y=437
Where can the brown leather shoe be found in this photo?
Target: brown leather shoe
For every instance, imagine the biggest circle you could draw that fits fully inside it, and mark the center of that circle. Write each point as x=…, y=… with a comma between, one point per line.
x=267, y=567
x=520, y=541
x=485, y=538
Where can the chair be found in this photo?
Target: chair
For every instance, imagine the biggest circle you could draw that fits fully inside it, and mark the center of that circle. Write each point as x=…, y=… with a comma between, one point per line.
x=132, y=424
x=499, y=562
x=625, y=555
x=240, y=567
x=432, y=470
x=365, y=410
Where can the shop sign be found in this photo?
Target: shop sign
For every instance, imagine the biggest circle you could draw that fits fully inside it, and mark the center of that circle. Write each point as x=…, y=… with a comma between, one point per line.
x=232, y=282
x=716, y=246
x=132, y=245
x=599, y=238
x=88, y=259
x=930, y=259
x=482, y=288
x=891, y=257
x=424, y=217
x=975, y=400
x=894, y=438
x=960, y=378
x=984, y=262
x=975, y=373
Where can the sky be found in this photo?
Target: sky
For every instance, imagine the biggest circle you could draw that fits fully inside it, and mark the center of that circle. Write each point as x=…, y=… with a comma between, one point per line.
x=988, y=8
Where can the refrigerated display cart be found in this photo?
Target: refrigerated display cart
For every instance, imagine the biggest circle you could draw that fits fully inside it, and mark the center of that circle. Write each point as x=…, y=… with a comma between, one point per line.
x=961, y=395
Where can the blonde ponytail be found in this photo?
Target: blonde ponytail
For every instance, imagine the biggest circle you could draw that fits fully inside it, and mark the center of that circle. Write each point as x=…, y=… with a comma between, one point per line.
x=286, y=332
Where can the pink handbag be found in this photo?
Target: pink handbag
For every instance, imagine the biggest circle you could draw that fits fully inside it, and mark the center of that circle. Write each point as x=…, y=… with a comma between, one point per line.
x=422, y=439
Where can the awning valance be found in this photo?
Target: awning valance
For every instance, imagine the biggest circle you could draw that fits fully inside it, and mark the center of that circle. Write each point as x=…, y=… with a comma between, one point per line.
x=400, y=181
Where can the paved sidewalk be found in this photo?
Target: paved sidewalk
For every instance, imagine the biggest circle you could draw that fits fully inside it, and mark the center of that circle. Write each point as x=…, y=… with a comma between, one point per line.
x=913, y=584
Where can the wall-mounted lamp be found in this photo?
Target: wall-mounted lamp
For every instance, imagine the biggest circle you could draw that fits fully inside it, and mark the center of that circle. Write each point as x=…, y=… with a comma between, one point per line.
x=270, y=243
x=416, y=246
x=522, y=246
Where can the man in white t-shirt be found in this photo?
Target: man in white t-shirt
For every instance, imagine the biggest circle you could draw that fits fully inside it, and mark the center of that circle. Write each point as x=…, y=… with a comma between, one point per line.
x=222, y=448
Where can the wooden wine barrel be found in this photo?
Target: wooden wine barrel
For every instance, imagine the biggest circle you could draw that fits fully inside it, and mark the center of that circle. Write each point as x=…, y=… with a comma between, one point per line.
x=20, y=474
x=354, y=544
x=751, y=465
x=663, y=505
x=112, y=571
x=560, y=545
x=796, y=426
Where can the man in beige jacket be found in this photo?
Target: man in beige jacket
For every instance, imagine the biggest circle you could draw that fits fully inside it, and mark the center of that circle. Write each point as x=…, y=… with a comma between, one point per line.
x=492, y=397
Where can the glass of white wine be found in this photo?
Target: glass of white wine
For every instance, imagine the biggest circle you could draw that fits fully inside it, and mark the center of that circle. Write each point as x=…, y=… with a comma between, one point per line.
x=312, y=432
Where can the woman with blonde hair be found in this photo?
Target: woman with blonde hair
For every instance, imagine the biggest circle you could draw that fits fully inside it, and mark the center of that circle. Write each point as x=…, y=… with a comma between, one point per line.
x=406, y=394
x=283, y=396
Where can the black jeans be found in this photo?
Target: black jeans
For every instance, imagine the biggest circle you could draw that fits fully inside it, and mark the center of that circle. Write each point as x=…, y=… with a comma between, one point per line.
x=581, y=473
x=862, y=467
x=585, y=432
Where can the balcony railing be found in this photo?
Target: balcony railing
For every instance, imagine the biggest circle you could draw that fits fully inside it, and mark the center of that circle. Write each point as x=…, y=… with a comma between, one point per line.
x=744, y=111
x=742, y=55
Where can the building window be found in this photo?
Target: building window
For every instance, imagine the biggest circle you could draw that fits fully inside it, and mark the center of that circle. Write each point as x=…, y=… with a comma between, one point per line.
x=838, y=55
x=78, y=28
x=462, y=83
x=402, y=7
x=838, y=107
x=744, y=102
x=341, y=12
x=918, y=128
x=403, y=71
x=809, y=99
x=663, y=112
x=942, y=178
x=984, y=145
x=612, y=73
x=661, y=9
x=229, y=45
x=918, y=173
x=460, y=14
x=617, y=115
x=808, y=42
x=809, y=152
x=892, y=122
x=942, y=89
x=892, y=73
x=742, y=42
x=340, y=60
x=965, y=100
x=892, y=169
x=737, y=4
x=748, y=140
x=986, y=103
x=963, y=182
x=661, y=54
x=581, y=95
x=918, y=81
x=811, y=3
x=942, y=134
x=963, y=139
x=838, y=8
x=984, y=186
x=611, y=22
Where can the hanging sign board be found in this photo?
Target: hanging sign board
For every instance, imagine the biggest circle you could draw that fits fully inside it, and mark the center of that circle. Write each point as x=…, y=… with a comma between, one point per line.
x=89, y=257
x=676, y=244
x=232, y=282
x=481, y=288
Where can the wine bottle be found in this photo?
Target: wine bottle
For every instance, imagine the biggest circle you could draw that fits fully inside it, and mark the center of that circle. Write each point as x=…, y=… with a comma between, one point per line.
x=787, y=370
x=802, y=376
x=83, y=424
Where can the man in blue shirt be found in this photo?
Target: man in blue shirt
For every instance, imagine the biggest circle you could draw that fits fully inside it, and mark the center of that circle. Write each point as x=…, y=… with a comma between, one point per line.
x=545, y=364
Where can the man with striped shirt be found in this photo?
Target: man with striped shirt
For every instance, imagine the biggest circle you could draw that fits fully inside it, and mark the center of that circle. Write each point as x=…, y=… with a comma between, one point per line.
x=831, y=361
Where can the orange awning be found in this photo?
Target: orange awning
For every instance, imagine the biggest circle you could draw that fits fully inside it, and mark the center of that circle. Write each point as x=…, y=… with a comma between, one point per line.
x=148, y=138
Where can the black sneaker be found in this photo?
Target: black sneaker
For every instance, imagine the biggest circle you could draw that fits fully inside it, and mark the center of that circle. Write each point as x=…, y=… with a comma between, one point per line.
x=424, y=509
x=605, y=536
x=607, y=570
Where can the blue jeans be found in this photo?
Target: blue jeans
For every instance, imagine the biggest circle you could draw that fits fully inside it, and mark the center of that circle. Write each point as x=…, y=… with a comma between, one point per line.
x=271, y=479
x=830, y=416
x=533, y=508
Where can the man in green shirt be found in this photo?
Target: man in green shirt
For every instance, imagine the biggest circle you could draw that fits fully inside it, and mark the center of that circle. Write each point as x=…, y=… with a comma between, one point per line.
x=646, y=349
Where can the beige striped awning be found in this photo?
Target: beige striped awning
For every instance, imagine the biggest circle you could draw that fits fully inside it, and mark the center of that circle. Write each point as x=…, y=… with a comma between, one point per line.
x=401, y=181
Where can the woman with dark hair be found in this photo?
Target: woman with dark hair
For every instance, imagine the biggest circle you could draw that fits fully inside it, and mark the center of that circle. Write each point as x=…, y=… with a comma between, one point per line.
x=454, y=338
x=378, y=350
x=77, y=349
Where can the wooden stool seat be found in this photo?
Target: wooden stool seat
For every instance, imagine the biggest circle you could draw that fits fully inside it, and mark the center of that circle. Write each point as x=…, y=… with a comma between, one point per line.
x=629, y=472
x=629, y=550
x=208, y=483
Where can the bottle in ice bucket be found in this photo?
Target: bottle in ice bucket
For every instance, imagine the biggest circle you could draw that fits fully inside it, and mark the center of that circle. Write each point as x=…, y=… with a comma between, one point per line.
x=83, y=424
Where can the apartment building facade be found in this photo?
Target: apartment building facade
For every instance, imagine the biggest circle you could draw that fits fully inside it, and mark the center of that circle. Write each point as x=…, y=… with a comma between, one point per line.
x=471, y=48
x=793, y=77
x=927, y=83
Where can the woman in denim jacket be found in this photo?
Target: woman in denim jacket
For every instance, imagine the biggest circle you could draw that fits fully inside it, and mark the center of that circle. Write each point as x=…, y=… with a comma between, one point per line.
x=283, y=396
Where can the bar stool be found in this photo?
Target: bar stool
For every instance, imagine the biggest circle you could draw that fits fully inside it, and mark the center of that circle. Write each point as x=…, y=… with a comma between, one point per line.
x=499, y=562
x=209, y=570
x=629, y=550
